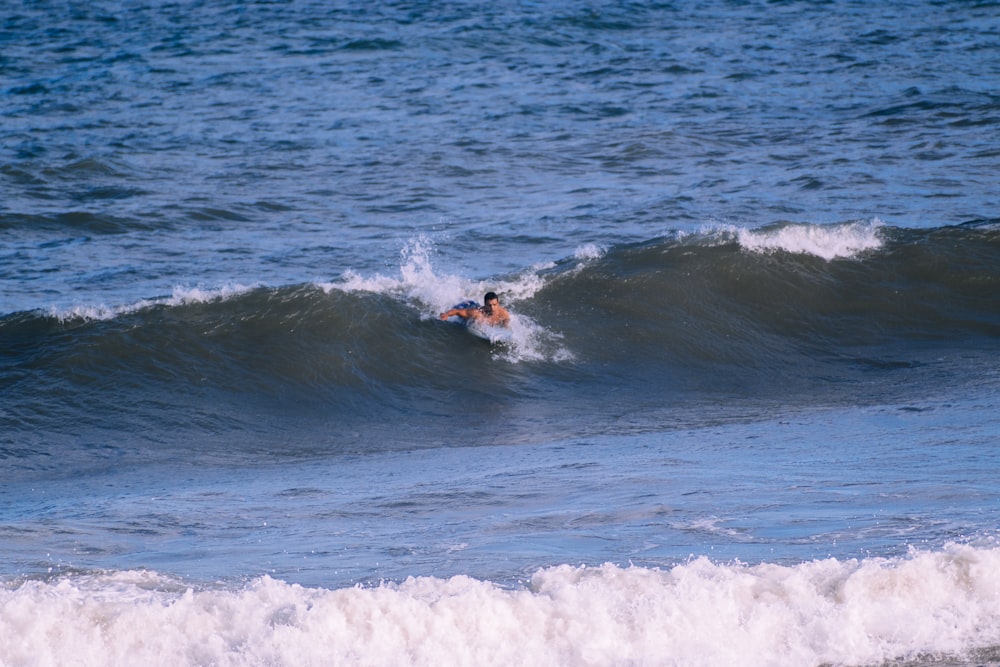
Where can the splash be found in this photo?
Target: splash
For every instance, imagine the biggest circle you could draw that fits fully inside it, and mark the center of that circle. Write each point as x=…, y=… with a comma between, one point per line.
x=431, y=292
x=419, y=283
x=840, y=241
x=180, y=296
x=532, y=342
x=589, y=252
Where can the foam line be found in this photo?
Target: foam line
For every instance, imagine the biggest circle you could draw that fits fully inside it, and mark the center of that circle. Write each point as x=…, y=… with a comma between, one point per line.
x=840, y=241
x=866, y=612
x=180, y=296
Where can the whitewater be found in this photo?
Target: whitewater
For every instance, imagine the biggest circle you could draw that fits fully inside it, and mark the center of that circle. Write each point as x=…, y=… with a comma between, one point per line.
x=698, y=613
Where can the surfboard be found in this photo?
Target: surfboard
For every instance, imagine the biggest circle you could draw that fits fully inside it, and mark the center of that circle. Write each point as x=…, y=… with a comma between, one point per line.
x=489, y=332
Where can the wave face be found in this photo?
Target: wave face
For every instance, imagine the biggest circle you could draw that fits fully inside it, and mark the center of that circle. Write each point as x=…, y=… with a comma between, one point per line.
x=800, y=315
x=928, y=609
x=805, y=304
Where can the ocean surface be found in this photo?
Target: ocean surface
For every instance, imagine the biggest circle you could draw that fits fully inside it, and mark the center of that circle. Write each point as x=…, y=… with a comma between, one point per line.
x=750, y=414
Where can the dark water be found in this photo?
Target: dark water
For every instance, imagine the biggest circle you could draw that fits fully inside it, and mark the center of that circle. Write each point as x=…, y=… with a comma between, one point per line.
x=748, y=415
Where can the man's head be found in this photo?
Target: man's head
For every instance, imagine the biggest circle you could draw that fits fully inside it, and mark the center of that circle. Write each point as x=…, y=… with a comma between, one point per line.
x=490, y=300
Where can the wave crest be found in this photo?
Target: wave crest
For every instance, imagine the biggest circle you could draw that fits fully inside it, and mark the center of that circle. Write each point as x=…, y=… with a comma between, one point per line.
x=839, y=241
x=180, y=296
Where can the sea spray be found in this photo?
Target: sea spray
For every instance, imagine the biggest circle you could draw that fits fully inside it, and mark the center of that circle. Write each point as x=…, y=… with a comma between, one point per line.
x=829, y=242
x=180, y=296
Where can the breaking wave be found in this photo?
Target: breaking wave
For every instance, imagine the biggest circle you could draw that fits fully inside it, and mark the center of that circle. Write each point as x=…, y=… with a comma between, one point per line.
x=796, y=314
x=931, y=608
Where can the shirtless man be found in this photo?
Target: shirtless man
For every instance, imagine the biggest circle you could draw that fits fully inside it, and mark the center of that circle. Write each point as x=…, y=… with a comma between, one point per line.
x=491, y=313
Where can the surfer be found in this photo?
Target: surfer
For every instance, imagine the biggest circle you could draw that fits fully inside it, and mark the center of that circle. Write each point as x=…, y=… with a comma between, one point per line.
x=491, y=312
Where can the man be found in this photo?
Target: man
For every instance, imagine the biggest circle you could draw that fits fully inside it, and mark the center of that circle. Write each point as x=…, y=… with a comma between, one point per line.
x=491, y=312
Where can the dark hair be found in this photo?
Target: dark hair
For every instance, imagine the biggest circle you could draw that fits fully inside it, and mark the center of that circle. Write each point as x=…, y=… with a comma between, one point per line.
x=490, y=296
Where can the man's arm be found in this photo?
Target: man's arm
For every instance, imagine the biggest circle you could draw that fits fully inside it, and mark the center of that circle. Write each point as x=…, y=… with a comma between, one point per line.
x=464, y=313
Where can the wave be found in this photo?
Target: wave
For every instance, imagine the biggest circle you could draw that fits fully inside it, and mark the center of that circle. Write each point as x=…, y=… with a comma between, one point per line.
x=825, y=241
x=802, y=314
x=930, y=608
x=79, y=222
x=180, y=296
x=848, y=285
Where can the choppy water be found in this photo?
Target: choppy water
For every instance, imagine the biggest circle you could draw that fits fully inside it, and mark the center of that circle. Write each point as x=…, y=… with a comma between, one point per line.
x=748, y=416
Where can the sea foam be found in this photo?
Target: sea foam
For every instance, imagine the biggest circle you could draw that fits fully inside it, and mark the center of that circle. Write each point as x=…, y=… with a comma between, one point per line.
x=418, y=281
x=829, y=242
x=180, y=296
x=945, y=603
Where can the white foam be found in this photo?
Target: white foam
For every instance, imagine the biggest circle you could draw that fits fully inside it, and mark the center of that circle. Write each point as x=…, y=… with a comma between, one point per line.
x=532, y=342
x=701, y=613
x=589, y=252
x=180, y=296
x=830, y=242
x=419, y=282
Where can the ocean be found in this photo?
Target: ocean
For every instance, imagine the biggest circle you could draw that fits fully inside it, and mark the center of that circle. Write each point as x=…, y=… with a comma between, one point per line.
x=749, y=414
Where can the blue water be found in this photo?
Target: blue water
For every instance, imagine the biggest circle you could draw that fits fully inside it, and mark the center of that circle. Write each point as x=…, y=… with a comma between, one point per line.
x=749, y=410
